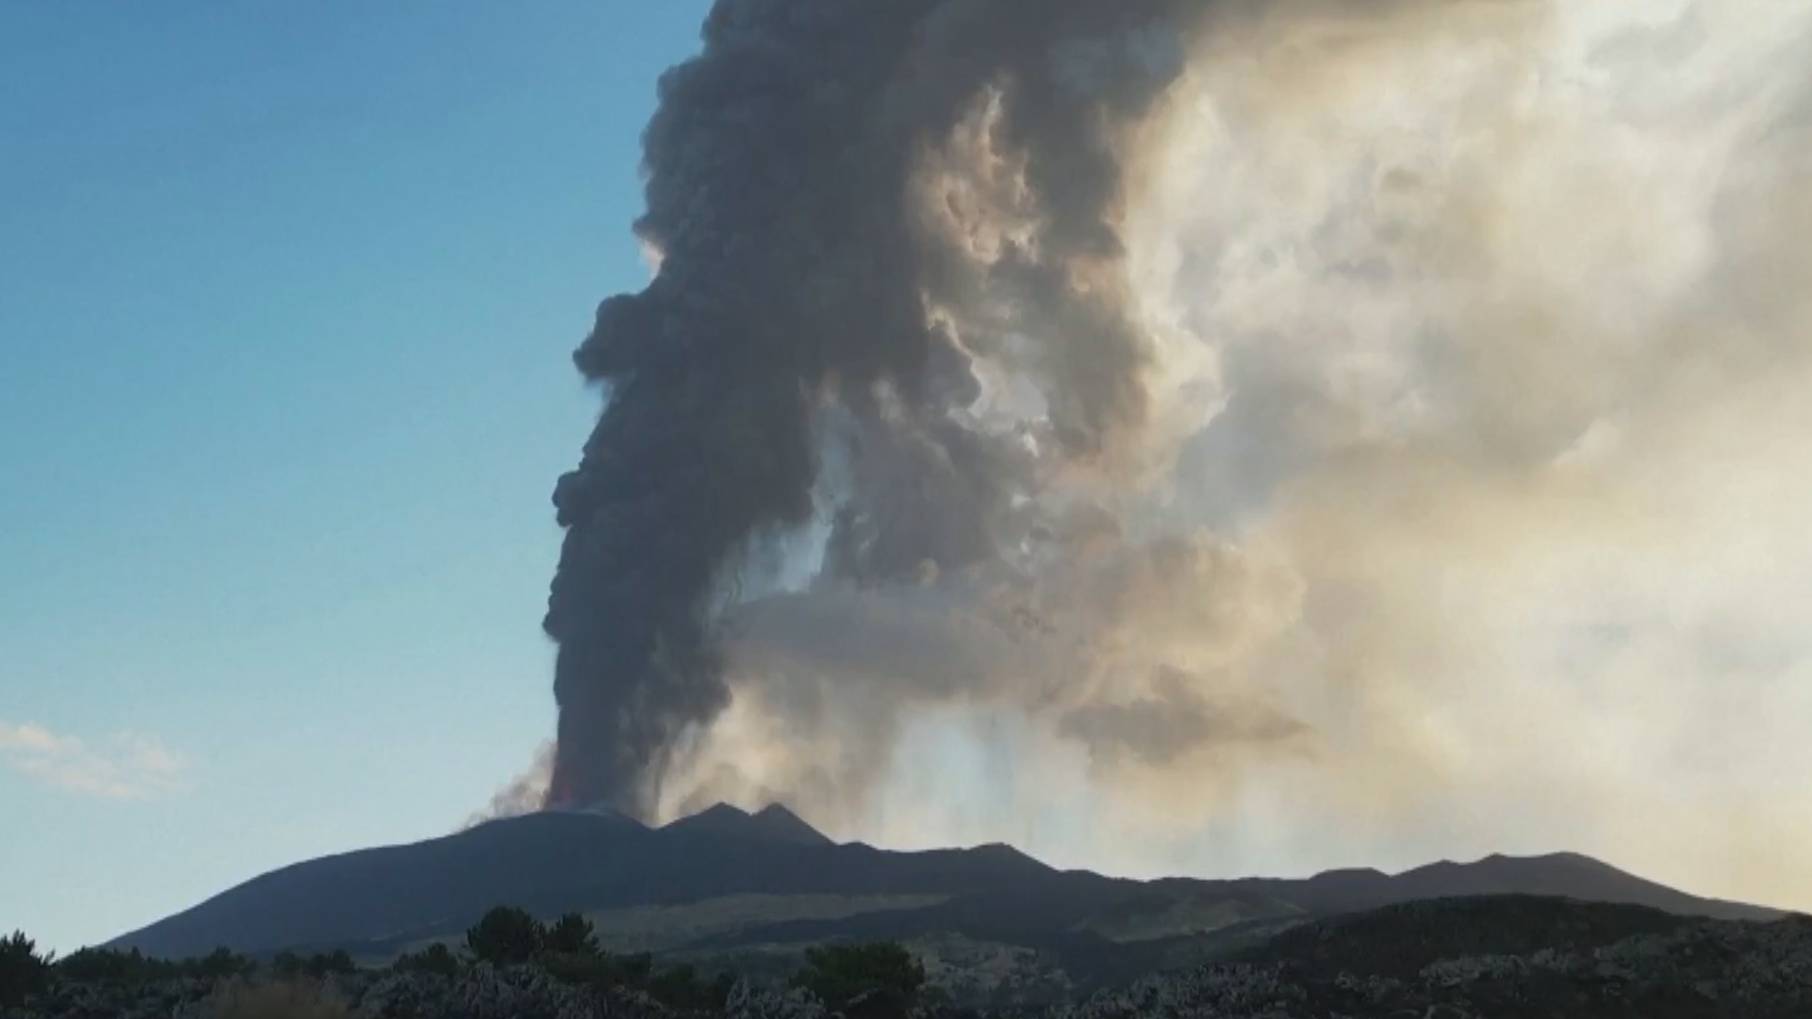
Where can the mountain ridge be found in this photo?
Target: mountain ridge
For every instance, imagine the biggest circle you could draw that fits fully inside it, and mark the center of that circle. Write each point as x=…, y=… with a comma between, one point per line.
x=724, y=879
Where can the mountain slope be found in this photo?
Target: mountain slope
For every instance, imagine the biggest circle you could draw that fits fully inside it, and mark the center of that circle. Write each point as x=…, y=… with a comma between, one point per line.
x=789, y=884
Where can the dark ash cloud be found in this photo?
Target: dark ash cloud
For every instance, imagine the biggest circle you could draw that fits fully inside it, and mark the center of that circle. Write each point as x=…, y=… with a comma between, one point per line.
x=791, y=197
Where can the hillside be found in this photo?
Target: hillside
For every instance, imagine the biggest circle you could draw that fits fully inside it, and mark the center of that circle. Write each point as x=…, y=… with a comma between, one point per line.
x=1502, y=957
x=753, y=889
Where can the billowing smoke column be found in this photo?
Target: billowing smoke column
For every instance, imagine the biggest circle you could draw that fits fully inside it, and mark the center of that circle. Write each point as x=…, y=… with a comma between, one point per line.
x=808, y=282
x=1164, y=434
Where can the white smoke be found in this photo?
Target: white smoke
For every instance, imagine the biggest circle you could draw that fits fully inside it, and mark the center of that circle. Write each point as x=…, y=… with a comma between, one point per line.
x=1468, y=513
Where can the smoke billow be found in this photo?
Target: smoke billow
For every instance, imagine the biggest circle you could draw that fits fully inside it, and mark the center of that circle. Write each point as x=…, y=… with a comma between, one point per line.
x=802, y=268
x=1164, y=434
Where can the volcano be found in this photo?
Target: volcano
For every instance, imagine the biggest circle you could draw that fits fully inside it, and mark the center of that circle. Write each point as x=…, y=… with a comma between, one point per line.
x=725, y=884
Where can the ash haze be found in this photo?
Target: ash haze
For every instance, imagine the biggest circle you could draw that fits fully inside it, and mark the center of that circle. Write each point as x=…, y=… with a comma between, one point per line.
x=1170, y=436
x=1233, y=438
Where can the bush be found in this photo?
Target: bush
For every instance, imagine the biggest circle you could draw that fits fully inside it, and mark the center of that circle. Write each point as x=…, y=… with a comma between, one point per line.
x=571, y=934
x=287, y=964
x=436, y=959
x=131, y=968
x=680, y=987
x=23, y=972
x=219, y=964
x=598, y=969
x=110, y=966
x=632, y=969
x=284, y=999
x=505, y=936
x=321, y=964
x=584, y=970
x=876, y=979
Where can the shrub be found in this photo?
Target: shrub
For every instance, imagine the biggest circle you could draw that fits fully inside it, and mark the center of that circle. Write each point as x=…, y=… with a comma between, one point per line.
x=436, y=959
x=584, y=970
x=23, y=972
x=287, y=964
x=328, y=963
x=111, y=966
x=283, y=999
x=571, y=934
x=219, y=964
x=632, y=969
x=876, y=979
x=598, y=969
x=506, y=935
x=681, y=987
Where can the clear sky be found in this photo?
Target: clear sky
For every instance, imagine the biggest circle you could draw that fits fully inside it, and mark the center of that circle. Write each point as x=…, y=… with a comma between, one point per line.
x=287, y=293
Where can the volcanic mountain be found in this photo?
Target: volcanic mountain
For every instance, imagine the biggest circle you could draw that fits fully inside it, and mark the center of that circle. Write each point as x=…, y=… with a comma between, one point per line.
x=728, y=885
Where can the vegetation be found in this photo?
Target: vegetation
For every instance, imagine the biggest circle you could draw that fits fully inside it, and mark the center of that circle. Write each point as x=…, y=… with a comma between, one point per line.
x=280, y=999
x=1501, y=955
x=437, y=959
x=506, y=936
x=321, y=964
x=218, y=964
x=598, y=968
x=568, y=949
x=681, y=987
x=23, y=972
x=873, y=979
x=571, y=933
x=106, y=966
x=111, y=966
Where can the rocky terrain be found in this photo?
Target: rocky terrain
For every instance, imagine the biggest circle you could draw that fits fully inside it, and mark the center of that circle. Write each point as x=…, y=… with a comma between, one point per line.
x=1500, y=957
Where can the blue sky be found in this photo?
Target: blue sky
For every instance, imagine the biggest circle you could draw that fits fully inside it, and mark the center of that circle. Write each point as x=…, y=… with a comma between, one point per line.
x=286, y=297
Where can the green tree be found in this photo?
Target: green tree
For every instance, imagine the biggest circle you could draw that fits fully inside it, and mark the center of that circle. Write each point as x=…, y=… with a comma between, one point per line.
x=506, y=935
x=572, y=934
x=219, y=964
x=109, y=966
x=287, y=965
x=681, y=987
x=323, y=963
x=879, y=979
x=632, y=969
x=436, y=959
x=23, y=972
x=598, y=969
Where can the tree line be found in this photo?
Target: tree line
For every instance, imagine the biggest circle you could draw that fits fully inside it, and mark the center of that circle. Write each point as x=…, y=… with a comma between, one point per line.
x=874, y=979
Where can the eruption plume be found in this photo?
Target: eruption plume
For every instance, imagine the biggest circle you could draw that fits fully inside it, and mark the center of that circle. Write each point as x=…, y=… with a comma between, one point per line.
x=802, y=271
x=1168, y=434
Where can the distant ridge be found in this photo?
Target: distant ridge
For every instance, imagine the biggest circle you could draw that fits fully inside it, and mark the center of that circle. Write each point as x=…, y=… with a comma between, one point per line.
x=602, y=810
x=717, y=819
x=782, y=825
x=772, y=823
x=1566, y=875
x=783, y=882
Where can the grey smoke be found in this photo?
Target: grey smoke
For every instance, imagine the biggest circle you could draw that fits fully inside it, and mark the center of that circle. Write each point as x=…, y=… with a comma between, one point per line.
x=1177, y=432
x=1468, y=456
x=1162, y=727
x=806, y=263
